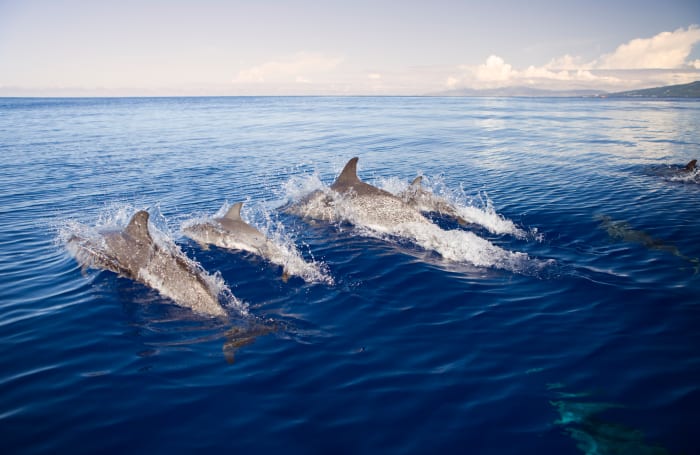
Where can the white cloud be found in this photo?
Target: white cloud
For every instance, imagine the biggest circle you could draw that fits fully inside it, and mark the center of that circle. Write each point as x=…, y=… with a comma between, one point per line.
x=301, y=67
x=495, y=72
x=667, y=51
x=495, y=69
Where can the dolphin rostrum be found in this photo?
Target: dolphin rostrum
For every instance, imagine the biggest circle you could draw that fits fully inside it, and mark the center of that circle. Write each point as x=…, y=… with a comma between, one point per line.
x=134, y=254
x=353, y=200
x=426, y=201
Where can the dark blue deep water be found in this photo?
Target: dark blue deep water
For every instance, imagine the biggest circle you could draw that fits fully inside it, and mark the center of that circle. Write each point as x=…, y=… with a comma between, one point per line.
x=590, y=345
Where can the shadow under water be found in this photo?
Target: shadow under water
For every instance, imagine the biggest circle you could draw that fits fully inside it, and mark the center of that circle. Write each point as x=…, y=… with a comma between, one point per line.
x=237, y=337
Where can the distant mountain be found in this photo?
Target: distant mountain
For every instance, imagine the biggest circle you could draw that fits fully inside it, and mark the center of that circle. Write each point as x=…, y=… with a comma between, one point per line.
x=519, y=92
x=691, y=90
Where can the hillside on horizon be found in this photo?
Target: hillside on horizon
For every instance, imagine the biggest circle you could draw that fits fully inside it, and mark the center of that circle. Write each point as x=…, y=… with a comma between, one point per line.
x=691, y=90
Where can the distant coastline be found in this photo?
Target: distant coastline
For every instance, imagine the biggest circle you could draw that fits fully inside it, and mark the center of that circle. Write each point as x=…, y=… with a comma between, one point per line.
x=691, y=90
x=681, y=91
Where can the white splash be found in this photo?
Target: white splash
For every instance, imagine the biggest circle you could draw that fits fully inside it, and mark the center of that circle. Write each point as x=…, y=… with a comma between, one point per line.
x=463, y=246
x=686, y=176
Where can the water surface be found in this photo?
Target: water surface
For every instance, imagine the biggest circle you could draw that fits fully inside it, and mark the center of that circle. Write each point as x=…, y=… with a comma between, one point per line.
x=590, y=347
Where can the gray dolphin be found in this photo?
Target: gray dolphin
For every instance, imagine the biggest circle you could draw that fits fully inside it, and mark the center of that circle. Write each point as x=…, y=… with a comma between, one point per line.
x=134, y=254
x=353, y=200
x=232, y=233
x=425, y=201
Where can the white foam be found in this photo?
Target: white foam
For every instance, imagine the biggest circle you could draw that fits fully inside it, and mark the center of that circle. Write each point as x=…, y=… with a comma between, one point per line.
x=464, y=246
x=687, y=177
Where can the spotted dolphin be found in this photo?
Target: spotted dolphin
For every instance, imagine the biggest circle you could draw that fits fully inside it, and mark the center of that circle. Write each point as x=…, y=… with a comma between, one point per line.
x=133, y=253
x=233, y=233
x=426, y=201
x=350, y=199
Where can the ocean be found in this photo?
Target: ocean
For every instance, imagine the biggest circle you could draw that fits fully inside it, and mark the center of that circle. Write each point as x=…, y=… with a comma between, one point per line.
x=561, y=318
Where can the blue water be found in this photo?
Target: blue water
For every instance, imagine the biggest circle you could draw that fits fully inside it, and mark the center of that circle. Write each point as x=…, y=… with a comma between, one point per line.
x=592, y=346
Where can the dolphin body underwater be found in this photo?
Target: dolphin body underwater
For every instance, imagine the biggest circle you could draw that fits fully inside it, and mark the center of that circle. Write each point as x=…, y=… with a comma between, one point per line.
x=232, y=233
x=621, y=230
x=132, y=253
x=351, y=199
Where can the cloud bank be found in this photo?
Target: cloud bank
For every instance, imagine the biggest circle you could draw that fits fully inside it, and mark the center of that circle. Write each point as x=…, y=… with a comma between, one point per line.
x=659, y=60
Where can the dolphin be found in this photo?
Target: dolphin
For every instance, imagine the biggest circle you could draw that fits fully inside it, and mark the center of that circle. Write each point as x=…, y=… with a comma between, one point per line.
x=621, y=230
x=231, y=232
x=353, y=200
x=691, y=166
x=579, y=418
x=425, y=201
x=132, y=253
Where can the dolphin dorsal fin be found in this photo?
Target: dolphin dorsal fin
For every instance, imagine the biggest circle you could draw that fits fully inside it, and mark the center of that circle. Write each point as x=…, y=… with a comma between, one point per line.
x=416, y=181
x=234, y=213
x=691, y=166
x=348, y=176
x=138, y=226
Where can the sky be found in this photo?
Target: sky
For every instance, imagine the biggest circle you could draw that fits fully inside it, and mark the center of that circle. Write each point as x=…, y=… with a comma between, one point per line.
x=333, y=47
